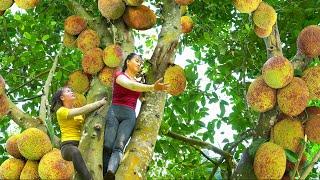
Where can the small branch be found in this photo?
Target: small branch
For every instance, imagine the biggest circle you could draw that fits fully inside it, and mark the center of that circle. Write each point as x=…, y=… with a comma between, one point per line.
x=197, y=143
x=34, y=78
x=203, y=154
x=27, y=99
x=310, y=166
x=296, y=166
x=300, y=61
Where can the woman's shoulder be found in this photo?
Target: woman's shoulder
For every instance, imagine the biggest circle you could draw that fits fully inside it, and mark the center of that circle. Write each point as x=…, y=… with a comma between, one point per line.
x=63, y=110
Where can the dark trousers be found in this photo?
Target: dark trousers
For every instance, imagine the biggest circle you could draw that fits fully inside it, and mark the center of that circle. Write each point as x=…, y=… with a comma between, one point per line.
x=120, y=122
x=70, y=152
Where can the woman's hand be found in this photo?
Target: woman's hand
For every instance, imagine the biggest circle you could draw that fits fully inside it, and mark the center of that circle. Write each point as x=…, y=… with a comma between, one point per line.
x=103, y=101
x=158, y=86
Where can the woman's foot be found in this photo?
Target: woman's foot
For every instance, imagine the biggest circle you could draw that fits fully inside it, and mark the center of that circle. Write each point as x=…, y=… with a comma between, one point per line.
x=109, y=175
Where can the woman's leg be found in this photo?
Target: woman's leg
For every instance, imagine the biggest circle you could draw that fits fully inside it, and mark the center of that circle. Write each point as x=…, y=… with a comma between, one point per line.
x=70, y=152
x=109, y=137
x=127, y=122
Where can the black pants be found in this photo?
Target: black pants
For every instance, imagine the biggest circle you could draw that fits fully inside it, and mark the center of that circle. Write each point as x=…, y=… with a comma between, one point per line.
x=70, y=152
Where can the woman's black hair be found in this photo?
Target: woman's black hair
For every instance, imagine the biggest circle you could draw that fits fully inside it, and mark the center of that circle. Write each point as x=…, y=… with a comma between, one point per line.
x=56, y=102
x=129, y=57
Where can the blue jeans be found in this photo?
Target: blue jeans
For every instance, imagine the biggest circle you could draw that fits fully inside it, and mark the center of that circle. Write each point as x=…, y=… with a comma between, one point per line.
x=120, y=122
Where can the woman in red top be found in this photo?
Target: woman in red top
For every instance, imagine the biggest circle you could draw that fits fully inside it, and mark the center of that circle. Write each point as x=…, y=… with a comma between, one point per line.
x=121, y=117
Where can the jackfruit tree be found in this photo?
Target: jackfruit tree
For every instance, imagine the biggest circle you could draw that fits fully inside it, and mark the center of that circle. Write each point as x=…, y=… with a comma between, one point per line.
x=243, y=101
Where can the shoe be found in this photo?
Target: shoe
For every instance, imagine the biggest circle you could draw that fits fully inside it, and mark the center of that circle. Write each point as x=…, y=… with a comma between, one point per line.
x=109, y=176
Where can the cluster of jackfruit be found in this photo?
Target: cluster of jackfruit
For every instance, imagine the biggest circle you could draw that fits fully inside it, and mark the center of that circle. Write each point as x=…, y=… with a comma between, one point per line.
x=32, y=157
x=264, y=16
x=23, y=4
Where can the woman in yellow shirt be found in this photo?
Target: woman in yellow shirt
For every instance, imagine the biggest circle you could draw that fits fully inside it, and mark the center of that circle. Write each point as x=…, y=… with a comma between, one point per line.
x=70, y=121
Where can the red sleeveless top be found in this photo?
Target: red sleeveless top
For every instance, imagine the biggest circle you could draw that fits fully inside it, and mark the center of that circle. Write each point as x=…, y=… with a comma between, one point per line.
x=123, y=96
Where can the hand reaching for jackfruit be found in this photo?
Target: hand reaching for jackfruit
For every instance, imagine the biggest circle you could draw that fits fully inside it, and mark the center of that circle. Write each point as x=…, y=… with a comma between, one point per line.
x=158, y=86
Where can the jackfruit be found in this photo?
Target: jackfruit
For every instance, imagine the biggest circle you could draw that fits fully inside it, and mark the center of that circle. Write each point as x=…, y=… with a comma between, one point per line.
x=246, y=6
x=277, y=72
x=92, y=61
x=265, y=16
x=262, y=33
x=312, y=78
x=26, y=4
x=184, y=2
x=133, y=2
x=12, y=146
x=260, y=96
x=312, y=128
x=308, y=42
x=78, y=82
x=69, y=40
x=30, y=170
x=111, y=9
x=175, y=77
x=4, y=108
x=293, y=98
x=53, y=166
x=106, y=76
x=288, y=133
x=2, y=85
x=33, y=143
x=5, y=4
x=112, y=55
x=74, y=25
x=186, y=24
x=88, y=39
x=11, y=168
x=140, y=17
x=269, y=161
x=80, y=100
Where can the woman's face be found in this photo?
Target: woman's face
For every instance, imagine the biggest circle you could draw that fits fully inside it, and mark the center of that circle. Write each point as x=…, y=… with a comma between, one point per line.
x=134, y=64
x=67, y=95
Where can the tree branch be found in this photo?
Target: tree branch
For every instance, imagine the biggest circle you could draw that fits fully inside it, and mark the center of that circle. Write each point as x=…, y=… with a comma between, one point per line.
x=310, y=166
x=203, y=154
x=296, y=166
x=197, y=143
x=27, y=99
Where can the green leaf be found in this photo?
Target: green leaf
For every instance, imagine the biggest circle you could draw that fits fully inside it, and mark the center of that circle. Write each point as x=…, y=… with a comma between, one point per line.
x=45, y=37
x=291, y=156
x=27, y=35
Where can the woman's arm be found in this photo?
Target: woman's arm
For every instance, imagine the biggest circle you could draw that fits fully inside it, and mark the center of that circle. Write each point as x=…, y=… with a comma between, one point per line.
x=86, y=109
x=123, y=81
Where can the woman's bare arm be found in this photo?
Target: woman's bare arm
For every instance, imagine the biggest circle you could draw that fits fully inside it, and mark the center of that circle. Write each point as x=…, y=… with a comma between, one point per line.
x=86, y=108
x=123, y=81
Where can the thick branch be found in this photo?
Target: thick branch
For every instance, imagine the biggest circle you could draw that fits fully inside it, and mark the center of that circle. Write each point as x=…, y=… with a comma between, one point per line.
x=197, y=143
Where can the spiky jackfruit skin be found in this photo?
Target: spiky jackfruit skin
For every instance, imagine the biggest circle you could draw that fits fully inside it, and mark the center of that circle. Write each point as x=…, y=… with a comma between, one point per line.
x=33, y=144
x=12, y=146
x=312, y=128
x=106, y=76
x=186, y=24
x=11, y=168
x=111, y=9
x=78, y=82
x=313, y=111
x=308, y=41
x=80, y=100
x=260, y=96
x=53, y=166
x=92, y=61
x=269, y=161
x=112, y=55
x=184, y=2
x=5, y=4
x=74, y=25
x=288, y=133
x=175, y=77
x=69, y=40
x=265, y=16
x=27, y=4
x=183, y=10
x=2, y=85
x=4, y=108
x=293, y=98
x=133, y=2
x=88, y=39
x=30, y=170
x=312, y=78
x=277, y=72
x=262, y=33
x=140, y=17
x=246, y=6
